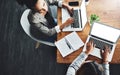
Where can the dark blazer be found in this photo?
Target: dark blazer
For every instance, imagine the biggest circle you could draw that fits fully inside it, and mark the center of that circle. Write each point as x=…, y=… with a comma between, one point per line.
x=43, y=27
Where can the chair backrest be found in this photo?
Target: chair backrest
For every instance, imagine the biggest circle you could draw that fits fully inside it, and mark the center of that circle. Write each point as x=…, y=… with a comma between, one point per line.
x=53, y=11
x=26, y=27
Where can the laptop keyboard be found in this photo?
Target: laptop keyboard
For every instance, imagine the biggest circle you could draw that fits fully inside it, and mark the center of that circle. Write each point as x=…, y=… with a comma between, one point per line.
x=76, y=19
x=100, y=44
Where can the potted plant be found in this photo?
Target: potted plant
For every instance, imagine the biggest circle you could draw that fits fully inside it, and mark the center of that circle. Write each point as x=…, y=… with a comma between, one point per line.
x=94, y=17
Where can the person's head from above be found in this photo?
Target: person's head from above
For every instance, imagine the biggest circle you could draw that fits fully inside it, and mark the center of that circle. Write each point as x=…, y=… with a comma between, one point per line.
x=90, y=68
x=93, y=68
x=41, y=5
x=37, y=5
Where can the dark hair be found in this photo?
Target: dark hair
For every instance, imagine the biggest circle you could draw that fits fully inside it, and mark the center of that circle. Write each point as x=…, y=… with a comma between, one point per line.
x=29, y=3
x=90, y=68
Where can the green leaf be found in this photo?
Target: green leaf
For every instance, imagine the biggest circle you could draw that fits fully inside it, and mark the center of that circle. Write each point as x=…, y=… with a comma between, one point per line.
x=93, y=18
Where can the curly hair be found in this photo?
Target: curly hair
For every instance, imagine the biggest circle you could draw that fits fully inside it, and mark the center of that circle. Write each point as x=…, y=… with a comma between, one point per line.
x=29, y=3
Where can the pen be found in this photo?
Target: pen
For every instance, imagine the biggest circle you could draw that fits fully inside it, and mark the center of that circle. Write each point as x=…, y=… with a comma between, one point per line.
x=67, y=44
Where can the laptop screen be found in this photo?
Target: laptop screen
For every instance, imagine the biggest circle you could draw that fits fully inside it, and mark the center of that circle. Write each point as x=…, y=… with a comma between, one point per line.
x=105, y=32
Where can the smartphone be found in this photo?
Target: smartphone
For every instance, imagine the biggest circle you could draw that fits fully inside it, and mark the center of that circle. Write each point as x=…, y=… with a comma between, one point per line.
x=74, y=3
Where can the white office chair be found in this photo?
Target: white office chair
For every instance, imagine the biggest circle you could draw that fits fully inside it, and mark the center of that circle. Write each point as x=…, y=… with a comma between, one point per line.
x=53, y=11
x=26, y=27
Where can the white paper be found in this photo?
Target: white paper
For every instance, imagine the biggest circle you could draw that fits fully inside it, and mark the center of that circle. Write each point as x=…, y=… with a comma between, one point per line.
x=74, y=40
x=63, y=47
x=69, y=44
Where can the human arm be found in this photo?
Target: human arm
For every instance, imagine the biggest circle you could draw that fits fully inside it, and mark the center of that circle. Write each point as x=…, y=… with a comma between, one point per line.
x=51, y=31
x=61, y=4
x=76, y=64
x=39, y=22
x=66, y=23
x=105, y=55
x=106, y=69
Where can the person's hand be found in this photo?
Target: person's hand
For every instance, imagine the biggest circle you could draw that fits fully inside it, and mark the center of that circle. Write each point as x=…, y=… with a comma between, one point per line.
x=105, y=54
x=69, y=8
x=68, y=22
x=89, y=47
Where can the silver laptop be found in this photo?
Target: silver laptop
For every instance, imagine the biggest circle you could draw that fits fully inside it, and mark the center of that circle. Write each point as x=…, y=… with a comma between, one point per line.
x=102, y=35
x=79, y=15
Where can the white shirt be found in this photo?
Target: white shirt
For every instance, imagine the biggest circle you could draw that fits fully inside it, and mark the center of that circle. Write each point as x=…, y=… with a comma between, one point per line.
x=77, y=63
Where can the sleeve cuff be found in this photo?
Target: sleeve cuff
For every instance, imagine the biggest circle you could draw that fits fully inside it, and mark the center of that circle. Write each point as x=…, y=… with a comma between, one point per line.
x=79, y=61
x=71, y=71
x=60, y=3
x=57, y=28
x=105, y=66
x=83, y=56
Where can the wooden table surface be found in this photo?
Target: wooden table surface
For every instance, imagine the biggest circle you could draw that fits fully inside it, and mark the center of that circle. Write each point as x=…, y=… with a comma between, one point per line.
x=109, y=12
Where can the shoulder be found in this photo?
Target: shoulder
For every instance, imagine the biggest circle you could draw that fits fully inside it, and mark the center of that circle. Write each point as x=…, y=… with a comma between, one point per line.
x=35, y=17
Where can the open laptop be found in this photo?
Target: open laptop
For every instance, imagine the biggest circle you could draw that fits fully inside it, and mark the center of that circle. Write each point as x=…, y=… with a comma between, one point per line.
x=79, y=15
x=102, y=35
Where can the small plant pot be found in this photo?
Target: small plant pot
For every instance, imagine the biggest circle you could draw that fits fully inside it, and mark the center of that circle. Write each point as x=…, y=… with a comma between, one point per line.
x=94, y=18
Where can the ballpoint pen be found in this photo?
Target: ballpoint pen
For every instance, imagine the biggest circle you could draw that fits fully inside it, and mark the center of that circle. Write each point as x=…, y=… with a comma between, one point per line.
x=67, y=44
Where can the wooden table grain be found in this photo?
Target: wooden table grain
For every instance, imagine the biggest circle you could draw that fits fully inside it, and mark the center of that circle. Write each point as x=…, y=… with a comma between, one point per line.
x=109, y=13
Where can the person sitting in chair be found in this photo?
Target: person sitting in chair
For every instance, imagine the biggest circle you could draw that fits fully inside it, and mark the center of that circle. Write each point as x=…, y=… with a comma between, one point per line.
x=43, y=25
x=81, y=67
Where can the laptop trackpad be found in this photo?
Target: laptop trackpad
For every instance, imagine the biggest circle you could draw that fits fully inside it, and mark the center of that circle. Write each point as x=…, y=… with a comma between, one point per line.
x=96, y=52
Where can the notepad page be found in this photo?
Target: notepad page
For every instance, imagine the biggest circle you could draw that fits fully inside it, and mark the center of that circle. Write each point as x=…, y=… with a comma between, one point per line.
x=74, y=40
x=63, y=47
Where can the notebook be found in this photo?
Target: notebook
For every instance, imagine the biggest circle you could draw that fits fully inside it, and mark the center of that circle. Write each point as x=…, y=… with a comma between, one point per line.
x=79, y=15
x=102, y=35
x=69, y=44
